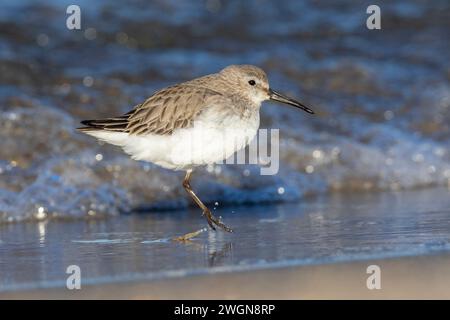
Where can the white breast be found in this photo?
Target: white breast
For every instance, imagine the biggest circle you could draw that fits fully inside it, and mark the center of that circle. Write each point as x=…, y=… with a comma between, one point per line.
x=213, y=138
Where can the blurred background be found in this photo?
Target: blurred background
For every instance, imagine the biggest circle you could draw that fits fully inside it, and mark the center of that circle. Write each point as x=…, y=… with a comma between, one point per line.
x=382, y=98
x=368, y=176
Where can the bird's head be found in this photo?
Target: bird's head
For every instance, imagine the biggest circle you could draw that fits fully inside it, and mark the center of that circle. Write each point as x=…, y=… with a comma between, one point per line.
x=252, y=82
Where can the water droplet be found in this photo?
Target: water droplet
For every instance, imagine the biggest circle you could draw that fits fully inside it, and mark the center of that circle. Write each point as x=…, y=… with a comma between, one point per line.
x=88, y=81
x=41, y=214
x=317, y=154
x=309, y=169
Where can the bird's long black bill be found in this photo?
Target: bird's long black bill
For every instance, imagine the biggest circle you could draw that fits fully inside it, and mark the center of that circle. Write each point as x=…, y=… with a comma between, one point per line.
x=276, y=96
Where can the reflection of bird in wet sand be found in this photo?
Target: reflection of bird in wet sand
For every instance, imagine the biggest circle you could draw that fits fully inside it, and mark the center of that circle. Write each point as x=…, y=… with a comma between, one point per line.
x=195, y=123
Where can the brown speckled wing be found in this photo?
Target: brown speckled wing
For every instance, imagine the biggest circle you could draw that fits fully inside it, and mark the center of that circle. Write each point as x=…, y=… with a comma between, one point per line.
x=167, y=110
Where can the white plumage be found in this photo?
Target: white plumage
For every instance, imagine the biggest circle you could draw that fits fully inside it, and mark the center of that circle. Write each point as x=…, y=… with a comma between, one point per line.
x=210, y=140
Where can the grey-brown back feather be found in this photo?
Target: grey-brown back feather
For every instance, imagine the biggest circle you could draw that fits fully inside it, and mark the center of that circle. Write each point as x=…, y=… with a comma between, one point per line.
x=177, y=106
x=165, y=111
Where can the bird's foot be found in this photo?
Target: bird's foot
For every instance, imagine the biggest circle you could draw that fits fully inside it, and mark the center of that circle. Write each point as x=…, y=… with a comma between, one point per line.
x=188, y=236
x=213, y=221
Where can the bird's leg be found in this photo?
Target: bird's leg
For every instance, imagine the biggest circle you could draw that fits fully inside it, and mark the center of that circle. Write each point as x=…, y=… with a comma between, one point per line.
x=212, y=220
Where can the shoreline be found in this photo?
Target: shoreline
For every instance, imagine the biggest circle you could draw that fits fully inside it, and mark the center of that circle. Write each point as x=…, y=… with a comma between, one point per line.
x=315, y=249
x=414, y=277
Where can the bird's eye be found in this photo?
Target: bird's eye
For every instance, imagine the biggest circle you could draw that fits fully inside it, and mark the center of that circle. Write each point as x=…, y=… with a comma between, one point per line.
x=252, y=82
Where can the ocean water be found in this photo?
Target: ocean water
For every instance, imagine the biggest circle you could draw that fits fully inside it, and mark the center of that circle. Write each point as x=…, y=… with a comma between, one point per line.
x=382, y=99
x=138, y=247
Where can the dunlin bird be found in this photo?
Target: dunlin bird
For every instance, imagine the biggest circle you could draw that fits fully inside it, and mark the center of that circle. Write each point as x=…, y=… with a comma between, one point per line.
x=198, y=122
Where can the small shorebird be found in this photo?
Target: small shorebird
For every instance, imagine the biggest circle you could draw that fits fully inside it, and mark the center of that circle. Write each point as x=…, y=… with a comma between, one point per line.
x=198, y=122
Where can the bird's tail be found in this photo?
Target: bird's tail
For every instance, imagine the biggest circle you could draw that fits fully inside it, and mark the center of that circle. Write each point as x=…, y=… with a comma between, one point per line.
x=118, y=124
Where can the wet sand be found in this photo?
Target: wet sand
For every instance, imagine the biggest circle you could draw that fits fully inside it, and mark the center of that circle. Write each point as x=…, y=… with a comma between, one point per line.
x=319, y=248
x=382, y=99
x=423, y=277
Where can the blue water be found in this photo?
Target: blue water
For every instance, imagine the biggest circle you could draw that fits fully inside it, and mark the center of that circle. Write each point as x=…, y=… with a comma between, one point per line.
x=382, y=99
x=139, y=247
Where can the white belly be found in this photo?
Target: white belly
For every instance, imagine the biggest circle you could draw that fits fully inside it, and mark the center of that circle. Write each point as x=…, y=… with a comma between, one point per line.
x=207, y=142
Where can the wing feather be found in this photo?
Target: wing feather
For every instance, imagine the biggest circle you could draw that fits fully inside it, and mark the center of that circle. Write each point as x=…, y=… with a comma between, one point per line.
x=167, y=110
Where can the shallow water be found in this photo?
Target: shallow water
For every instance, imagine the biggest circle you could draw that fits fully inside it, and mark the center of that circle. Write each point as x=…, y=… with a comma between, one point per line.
x=138, y=246
x=382, y=98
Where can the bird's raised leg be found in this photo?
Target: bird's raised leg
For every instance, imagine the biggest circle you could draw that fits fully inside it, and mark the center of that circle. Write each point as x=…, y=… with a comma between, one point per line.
x=212, y=220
